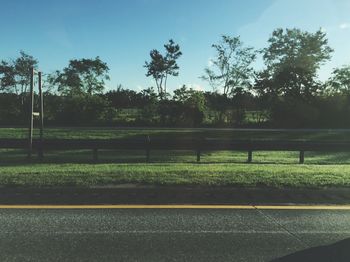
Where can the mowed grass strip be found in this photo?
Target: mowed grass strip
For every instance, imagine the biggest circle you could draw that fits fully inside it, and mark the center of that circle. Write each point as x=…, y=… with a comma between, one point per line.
x=218, y=168
x=278, y=175
x=221, y=168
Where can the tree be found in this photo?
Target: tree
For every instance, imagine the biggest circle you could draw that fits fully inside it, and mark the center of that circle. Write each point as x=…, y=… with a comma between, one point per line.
x=218, y=103
x=162, y=66
x=231, y=73
x=340, y=80
x=23, y=65
x=293, y=58
x=84, y=76
x=150, y=101
x=124, y=98
x=240, y=98
x=7, y=77
x=264, y=95
x=192, y=103
x=82, y=110
x=15, y=74
x=232, y=67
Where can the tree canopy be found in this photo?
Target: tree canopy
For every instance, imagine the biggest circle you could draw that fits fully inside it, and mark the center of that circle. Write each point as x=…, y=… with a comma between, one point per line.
x=231, y=68
x=292, y=60
x=340, y=80
x=84, y=76
x=162, y=66
x=15, y=74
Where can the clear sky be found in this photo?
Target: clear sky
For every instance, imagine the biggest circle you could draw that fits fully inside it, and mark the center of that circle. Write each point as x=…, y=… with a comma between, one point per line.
x=122, y=32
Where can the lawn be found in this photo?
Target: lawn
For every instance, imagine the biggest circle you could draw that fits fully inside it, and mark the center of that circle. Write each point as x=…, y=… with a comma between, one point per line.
x=113, y=133
x=217, y=168
x=276, y=175
x=273, y=169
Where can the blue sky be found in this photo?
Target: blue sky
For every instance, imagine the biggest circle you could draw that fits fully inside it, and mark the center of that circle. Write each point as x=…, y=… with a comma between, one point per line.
x=122, y=32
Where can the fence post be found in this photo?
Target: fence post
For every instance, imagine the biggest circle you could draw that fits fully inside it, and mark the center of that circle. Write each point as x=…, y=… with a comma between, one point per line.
x=148, y=142
x=250, y=156
x=301, y=157
x=198, y=155
x=198, y=143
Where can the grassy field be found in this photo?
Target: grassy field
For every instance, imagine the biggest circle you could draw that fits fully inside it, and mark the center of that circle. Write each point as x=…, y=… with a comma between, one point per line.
x=277, y=175
x=113, y=133
x=273, y=169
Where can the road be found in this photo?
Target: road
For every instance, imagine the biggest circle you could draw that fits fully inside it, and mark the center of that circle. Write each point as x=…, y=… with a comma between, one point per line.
x=174, y=235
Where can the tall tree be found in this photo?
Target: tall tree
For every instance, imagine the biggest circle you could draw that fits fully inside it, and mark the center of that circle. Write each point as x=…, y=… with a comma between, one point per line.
x=15, y=74
x=162, y=66
x=293, y=58
x=230, y=74
x=231, y=69
x=84, y=76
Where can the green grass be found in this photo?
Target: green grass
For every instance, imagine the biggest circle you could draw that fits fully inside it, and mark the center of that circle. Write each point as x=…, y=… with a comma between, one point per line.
x=277, y=175
x=222, y=168
x=274, y=169
x=113, y=133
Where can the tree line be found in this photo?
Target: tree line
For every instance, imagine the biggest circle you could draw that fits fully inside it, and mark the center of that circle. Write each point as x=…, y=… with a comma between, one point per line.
x=284, y=92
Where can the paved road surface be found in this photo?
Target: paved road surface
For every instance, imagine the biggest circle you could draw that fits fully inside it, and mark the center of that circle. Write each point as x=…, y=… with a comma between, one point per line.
x=134, y=194
x=173, y=235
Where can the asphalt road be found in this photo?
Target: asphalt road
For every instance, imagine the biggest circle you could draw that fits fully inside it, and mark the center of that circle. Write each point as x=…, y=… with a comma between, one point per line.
x=134, y=194
x=174, y=235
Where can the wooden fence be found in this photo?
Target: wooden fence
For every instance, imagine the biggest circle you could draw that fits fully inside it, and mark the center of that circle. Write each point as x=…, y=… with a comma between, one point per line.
x=197, y=145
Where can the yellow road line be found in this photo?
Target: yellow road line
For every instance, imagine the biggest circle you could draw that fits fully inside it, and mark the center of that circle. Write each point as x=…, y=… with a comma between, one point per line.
x=307, y=207
x=126, y=207
x=262, y=207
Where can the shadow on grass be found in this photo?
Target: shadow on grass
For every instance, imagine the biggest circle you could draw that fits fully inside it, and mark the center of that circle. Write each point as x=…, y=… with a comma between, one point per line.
x=18, y=157
x=324, y=157
x=339, y=252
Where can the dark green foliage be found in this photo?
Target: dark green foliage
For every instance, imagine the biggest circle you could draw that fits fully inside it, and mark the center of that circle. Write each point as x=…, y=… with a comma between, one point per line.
x=334, y=111
x=84, y=76
x=83, y=110
x=10, y=109
x=125, y=98
x=192, y=106
x=295, y=113
x=339, y=81
x=149, y=107
x=7, y=74
x=288, y=86
x=218, y=103
x=292, y=60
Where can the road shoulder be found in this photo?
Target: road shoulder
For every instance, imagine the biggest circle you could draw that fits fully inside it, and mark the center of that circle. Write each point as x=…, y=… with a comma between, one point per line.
x=165, y=195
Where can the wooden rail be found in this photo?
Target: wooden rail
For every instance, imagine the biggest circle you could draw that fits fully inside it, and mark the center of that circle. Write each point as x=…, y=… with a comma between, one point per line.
x=197, y=145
